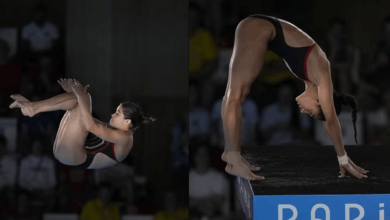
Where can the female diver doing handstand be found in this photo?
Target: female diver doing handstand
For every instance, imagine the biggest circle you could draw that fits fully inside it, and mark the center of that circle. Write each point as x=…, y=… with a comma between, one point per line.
x=254, y=36
x=83, y=141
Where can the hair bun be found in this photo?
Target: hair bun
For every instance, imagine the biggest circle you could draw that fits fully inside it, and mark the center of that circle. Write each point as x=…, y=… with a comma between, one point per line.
x=146, y=120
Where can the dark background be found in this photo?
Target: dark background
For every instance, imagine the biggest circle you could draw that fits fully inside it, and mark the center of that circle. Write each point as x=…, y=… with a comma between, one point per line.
x=353, y=35
x=134, y=50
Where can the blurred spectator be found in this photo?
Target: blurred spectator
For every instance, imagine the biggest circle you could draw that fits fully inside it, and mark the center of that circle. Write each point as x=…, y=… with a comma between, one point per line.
x=203, y=49
x=67, y=201
x=143, y=198
x=172, y=210
x=101, y=207
x=280, y=120
x=41, y=125
x=208, y=189
x=120, y=177
x=250, y=119
x=199, y=117
x=339, y=51
x=22, y=210
x=378, y=125
x=377, y=72
x=179, y=145
x=384, y=41
x=10, y=71
x=75, y=181
x=179, y=152
x=8, y=166
x=5, y=111
x=212, y=14
x=37, y=171
x=44, y=76
x=7, y=201
x=40, y=36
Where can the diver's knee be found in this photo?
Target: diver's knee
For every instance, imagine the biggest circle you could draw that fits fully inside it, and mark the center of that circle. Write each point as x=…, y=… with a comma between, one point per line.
x=239, y=94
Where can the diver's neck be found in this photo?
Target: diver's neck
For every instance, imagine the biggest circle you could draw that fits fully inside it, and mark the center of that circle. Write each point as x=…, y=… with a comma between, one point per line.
x=311, y=89
x=127, y=130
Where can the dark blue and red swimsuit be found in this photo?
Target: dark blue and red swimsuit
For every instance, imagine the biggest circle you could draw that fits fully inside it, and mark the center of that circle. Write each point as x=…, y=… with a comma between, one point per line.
x=94, y=145
x=294, y=57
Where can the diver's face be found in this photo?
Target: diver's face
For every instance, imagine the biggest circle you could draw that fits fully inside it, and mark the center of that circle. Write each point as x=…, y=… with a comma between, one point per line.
x=118, y=118
x=308, y=105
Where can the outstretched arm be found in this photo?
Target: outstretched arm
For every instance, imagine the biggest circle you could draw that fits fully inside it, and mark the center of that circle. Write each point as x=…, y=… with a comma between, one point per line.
x=332, y=126
x=92, y=125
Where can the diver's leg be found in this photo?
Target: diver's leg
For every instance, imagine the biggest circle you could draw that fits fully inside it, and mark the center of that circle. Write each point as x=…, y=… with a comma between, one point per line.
x=65, y=101
x=71, y=135
x=252, y=36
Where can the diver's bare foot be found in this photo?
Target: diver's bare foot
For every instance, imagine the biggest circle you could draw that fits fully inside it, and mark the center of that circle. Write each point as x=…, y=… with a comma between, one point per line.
x=18, y=97
x=27, y=109
x=224, y=157
x=250, y=167
x=237, y=167
x=241, y=170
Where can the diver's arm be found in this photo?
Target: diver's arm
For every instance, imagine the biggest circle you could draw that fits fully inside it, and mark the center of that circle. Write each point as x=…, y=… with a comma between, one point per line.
x=86, y=117
x=100, y=130
x=99, y=122
x=332, y=124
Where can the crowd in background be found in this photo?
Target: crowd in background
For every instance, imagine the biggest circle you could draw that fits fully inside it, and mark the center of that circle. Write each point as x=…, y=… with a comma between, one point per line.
x=270, y=115
x=32, y=181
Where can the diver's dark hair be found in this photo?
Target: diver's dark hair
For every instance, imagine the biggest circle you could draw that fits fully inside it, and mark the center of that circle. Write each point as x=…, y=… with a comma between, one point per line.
x=133, y=112
x=340, y=99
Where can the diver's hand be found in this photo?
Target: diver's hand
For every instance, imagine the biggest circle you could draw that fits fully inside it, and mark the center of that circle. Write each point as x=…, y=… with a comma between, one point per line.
x=353, y=169
x=65, y=85
x=77, y=88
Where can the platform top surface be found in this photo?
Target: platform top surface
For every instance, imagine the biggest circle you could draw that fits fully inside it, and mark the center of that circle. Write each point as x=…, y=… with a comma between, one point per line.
x=314, y=170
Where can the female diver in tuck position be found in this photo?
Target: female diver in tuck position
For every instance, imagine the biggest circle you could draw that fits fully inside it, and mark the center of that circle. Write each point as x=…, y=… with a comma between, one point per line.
x=83, y=141
x=305, y=59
